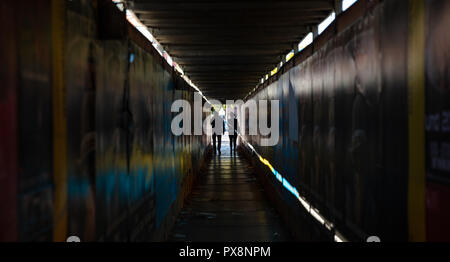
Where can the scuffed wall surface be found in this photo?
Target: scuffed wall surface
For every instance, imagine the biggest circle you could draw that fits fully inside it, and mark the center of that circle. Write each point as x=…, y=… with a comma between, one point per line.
x=112, y=139
x=81, y=55
x=8, y=132
x=437, y=73
x=35, y=185
x=340, y=111
x=126, y=172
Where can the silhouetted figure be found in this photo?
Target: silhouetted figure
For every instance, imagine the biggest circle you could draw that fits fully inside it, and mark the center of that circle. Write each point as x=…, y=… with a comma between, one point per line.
x=217, y=133
x=231, y=134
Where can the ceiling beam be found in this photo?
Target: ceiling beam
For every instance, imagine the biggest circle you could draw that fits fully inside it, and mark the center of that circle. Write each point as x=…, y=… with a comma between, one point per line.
x=212, y=81
x=245, y=59
x=262, y=21
x=294, y=31
x=227, y=6
x=178, y=49
x=236, y=17
x=192, y=68
x=238, y=38
x=223, y=73
x=228, y=52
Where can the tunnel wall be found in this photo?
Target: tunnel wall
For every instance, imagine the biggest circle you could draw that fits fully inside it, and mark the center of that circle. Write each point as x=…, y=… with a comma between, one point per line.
x=129, y=173
x=8, y=114
x=344, y=127
x=124, y=175
x=437, y=109
x=32, y=103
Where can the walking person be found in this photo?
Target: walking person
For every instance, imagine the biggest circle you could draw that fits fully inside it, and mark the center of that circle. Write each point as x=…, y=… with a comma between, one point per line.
x=233, y=133
x=217, y=133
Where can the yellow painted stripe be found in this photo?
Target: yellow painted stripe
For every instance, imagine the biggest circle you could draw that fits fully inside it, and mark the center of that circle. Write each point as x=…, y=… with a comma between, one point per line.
x=59, y=123
x=416, y=119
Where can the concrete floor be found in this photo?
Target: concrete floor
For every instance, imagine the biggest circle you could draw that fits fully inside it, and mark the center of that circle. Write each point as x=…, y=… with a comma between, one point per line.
x=227, y=204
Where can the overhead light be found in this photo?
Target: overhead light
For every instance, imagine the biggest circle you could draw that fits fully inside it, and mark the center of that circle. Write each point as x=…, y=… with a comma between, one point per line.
x=274, y=71
x=178, y=68
x=326, y=23
x=134, y=20
x=290, y=55
x=120, y=4
x=305, y=42
x=347, y=3
x=168, y=58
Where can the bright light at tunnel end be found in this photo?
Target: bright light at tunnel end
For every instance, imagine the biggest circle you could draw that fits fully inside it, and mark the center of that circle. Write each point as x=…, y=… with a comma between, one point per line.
x=255, y=113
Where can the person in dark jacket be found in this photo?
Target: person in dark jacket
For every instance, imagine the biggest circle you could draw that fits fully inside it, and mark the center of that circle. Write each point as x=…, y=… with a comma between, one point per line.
x=232, y=132
x=217, y=134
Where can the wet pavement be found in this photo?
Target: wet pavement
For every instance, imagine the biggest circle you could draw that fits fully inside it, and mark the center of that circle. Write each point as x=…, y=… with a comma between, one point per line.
x=228, y=205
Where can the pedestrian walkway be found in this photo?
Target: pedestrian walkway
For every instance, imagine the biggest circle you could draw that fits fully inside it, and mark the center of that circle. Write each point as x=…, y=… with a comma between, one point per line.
x=228, y=204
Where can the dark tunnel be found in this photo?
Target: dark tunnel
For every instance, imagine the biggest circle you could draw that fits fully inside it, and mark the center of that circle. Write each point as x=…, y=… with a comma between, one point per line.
x=219, y=121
